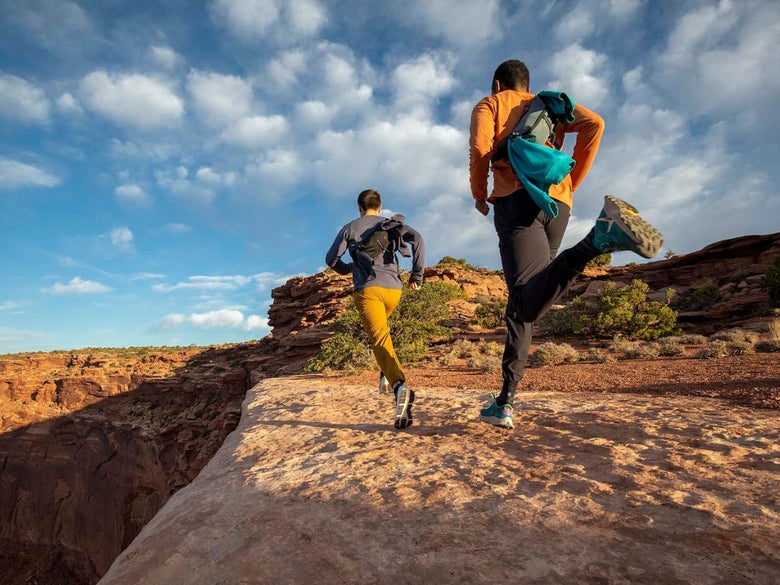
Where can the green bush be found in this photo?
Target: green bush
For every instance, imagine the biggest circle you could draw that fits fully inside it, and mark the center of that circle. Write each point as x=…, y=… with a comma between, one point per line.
x=570, y=319
x=413, y=326
x=450, y=261
x=699, y=299
x=490, y=314
x=602, y=260
x=771, y=282
x=627, y=311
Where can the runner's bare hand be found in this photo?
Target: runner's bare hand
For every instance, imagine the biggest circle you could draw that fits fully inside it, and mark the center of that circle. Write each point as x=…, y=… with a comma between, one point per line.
x=482, y=207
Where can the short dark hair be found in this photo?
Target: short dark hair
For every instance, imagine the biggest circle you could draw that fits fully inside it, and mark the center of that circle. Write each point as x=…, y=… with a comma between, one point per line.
x=369, y=199
x=513, y=74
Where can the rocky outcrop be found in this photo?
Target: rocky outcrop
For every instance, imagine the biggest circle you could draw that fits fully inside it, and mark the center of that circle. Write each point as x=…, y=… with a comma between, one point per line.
x=88, y=457
x=734, y=266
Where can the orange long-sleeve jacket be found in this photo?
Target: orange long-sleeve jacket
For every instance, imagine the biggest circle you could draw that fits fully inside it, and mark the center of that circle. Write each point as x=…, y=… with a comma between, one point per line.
x=494, y=118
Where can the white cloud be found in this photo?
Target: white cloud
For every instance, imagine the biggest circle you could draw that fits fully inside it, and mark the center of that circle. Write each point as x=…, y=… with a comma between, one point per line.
x=583, y=73
x=211, y=177
x=409, y=157
x=222, y=318
x=306, y=16
x=420, y=81
x=576, y=25
x=54, y=24
x=68, y=104
x=206, y=283
x=284, y=71
x=176, y=181
x=21, y=100
x=8, y=305
x=122, y=238
x=131, y=192
x=14, y=174
x=132, y=100
x=276, y=167
x=219, y=99
x=724, y=54
x=256, y=131
x=147, y=276
x=165, y=57
x=178, y=228
x=460, y=22
x=252, y=20
x=78, y=286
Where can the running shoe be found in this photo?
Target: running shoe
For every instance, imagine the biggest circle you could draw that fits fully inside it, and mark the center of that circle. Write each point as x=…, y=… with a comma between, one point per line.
x=403, y=406
x=500, y=416
x=619, y=227
x=384, y=385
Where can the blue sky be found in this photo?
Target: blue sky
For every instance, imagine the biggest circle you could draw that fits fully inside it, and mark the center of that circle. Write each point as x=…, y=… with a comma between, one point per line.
x=164, y=165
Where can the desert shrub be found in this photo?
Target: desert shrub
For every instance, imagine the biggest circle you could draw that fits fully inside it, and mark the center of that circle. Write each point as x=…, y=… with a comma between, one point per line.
x=644, y=351
x=714, y=349
x=553, y=354
x=598, y=355
x=699, y=299
x=343, y=351
x=691, y=339
x=719, y=348
x=770, y=346
x=601, y=260
x=770, y=282
x=735, y=336
x=627, y=311
x=487, y=363
x=490, y=314
x=773, y=328
x=450, y=261
x=570, y=319
x=458, y=350
x=414, y=326
x=669, y=347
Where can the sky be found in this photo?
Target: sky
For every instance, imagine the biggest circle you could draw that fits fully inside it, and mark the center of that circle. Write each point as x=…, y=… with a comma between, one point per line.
x=165, y=164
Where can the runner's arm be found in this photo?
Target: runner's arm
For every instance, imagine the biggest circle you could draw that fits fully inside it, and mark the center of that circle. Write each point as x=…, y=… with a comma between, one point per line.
x=336, y=251
x=589, y=127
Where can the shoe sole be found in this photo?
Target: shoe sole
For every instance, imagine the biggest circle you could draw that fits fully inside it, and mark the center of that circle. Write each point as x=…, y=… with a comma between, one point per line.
x=403, y=408
x=506, y=423
x=647, y=240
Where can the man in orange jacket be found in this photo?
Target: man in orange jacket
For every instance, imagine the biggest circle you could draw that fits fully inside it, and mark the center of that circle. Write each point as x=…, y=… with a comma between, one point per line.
x=529, y=238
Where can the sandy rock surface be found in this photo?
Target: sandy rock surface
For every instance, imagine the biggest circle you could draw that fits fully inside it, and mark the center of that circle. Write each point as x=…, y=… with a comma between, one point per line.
x=315, y=486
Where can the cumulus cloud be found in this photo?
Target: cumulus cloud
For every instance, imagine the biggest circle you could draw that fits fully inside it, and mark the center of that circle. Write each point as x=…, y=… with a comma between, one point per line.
x=720, y=53
x=582, y=72
x=132, y=193
x=409, y=157
x=219, y=99
x=22, y=101
x=222, y=318
x=53, y=24
x=211, y=177
x=122, y=238
x=164, y=57
x=132, y=100
x=68, y=104
x=14, y=174
x=256, y=131
x=420, y=81
x=251, y=20
x=460, y=22
x=177, y=182
x=77, y=286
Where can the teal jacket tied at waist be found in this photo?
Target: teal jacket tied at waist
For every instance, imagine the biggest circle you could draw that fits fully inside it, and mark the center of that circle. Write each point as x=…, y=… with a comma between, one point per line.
x=537, y=166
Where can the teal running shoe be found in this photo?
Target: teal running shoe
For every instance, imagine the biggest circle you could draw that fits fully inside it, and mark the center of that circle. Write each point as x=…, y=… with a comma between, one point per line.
x=500, y=416
x=619, y=227
x=403, y=406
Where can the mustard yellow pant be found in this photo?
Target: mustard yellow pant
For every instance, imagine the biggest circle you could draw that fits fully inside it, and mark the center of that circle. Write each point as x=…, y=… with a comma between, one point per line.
x=375, y=304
